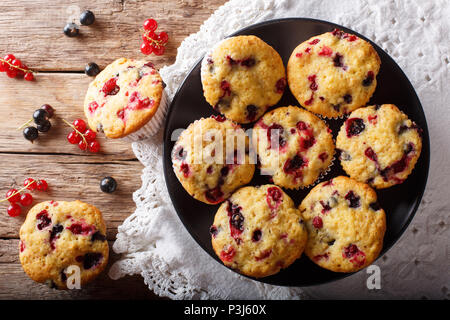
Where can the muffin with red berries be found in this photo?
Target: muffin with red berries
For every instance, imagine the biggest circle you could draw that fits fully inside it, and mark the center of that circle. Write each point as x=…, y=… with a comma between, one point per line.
x=345, y=224
x=210, y=159
x=294, y=146
x=126, y=100
x=333, y=74
x=379, y=145
x=242, y=77
x=59, y=239
x=258, y=231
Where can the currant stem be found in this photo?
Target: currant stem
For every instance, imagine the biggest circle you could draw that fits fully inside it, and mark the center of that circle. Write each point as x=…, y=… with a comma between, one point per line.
x=159, y=44
x=75, y=129
x=18, y=191
x=16, y=67
x=24, y=125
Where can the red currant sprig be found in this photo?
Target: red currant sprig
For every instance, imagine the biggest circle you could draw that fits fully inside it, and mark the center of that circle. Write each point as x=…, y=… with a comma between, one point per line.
x=15, y=197
x=153, y=42
x=15, y=68
x=85, y=138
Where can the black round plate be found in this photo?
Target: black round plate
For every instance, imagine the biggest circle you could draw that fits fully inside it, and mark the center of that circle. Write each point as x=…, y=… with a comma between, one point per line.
x=400, y=202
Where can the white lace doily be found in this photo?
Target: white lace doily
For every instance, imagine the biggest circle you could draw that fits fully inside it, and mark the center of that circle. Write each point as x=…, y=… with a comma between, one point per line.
x=154, y=243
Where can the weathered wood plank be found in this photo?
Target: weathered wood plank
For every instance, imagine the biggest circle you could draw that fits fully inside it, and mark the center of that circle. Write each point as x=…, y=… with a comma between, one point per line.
x=71, y=178
x=65, y=92
x=15, y=284
x=32, y=29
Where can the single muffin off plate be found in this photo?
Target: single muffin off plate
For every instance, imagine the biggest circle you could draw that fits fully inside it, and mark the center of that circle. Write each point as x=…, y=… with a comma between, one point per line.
x=242, y=77
x=58, y=236
x=126, y=100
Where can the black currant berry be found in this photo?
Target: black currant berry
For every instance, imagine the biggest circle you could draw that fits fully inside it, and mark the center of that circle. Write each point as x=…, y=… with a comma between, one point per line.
x=30, y=133
x=71, y=30
x=108, y=185
x=44, y=126
x=92, y=69
x=49, y=109
x=87, y=18
x=40, y=116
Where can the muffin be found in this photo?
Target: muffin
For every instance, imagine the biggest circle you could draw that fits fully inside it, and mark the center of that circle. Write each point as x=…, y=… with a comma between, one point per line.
x=379, y=145
x=345, y=225
x=126, y=100
x=58, y=235
x=333, y=74
x=258, y=231
x=242, y=77
x=294, y=146
x=210, y=159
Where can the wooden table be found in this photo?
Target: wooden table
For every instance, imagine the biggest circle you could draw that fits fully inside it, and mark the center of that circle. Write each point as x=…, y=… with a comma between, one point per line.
x=32, y=31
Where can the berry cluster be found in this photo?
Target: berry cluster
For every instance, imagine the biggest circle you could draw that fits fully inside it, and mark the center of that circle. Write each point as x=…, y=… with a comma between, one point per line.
x=41, y=118
x=16, y=198
x=153, y=42
x=15, y=68
x=85, y=138
x=86, y=18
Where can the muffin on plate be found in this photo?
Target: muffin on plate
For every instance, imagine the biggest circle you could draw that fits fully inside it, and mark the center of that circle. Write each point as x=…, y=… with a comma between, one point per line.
x=345, y=225
x=294, y=146
x=243, y=76
x=333, y=74
x=379, y=145
x=210, y=159
x=258, y=231
x=58, y=235
x=126, y=100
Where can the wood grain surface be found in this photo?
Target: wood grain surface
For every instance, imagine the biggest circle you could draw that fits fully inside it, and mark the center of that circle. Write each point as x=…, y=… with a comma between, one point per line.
x=32, y=31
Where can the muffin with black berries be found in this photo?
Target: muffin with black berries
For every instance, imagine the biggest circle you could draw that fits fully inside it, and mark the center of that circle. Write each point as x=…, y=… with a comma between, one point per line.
x=210, y=159
x=379, y=145
x=243, y=76
x=333, y=74
x=126, y=100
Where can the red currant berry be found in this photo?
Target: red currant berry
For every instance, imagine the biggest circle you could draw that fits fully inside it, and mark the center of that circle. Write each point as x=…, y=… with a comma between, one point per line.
x=82, y=145
x=73, y=137
x=163, y=37
x=29, y=76
x=147, y=37
x=17, y=63
x=15, y=198
x=9, y=57
x=159, y=51
x=80, y=125
x=26, y=199
x=90, y=135
x=30, y=183
x=146, y=48
x=150, y=25
x=14, y=210
x=94, y=146
x=3, y=66
x=12, y=73
x=42, y=185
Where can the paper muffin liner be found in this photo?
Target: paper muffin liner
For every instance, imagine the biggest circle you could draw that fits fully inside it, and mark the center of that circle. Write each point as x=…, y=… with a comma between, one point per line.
x=154, y=124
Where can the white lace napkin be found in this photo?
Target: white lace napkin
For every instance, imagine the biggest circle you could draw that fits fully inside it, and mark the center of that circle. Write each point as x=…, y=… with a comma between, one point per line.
x=155, y=244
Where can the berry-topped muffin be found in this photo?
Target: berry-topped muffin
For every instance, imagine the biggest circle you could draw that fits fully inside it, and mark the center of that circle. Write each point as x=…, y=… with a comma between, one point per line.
x=379, y=145
x=243, y=76
x=126, y=99
x=258, y=231
x=345, y=225
x=294, y=146
x=333, y=74
x=58, y=236
x=210, y=159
